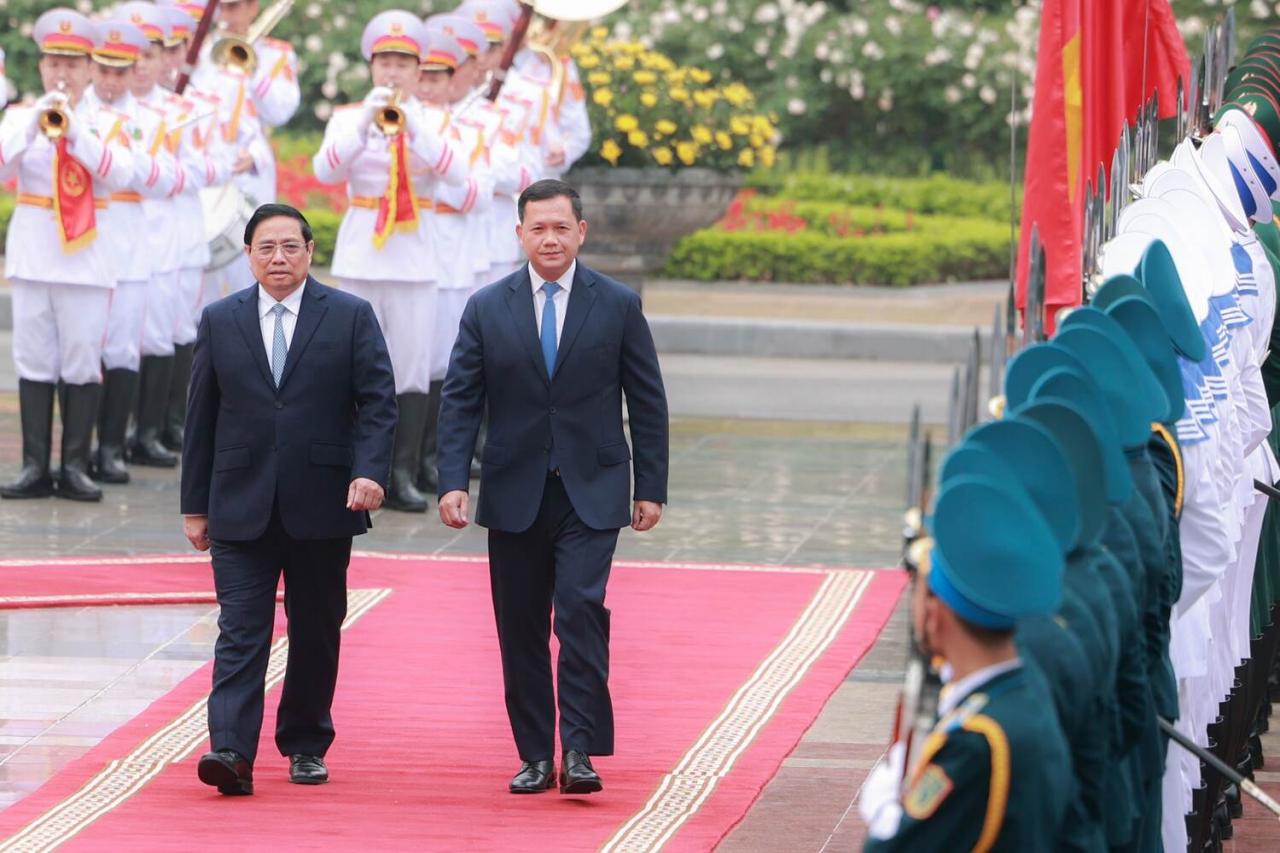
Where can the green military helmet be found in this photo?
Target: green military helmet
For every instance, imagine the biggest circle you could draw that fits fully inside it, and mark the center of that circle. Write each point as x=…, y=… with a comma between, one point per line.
x=1025, y=369
x=994, y=559
x=1269, y=234
x=1043, y=471
x=1252, y=86
x=1159, y=275
x=1139, y=319
x=1074, y=387
x=969, y=459
x=1083, y=450
x=1145, y=387
x=1105, y=363
x=1260, y=66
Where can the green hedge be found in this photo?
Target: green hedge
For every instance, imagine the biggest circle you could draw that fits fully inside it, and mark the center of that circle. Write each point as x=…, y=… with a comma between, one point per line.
x=937, y=194
x=972, y=251
x=837, y=219
x=6, y=212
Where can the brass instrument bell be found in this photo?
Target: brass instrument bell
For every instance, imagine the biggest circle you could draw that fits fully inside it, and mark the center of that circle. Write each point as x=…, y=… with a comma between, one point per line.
x=54, y=121
x=390, y=118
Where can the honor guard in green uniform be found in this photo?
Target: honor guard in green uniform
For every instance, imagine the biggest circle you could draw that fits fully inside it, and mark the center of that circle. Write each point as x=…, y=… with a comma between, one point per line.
x=995, y=772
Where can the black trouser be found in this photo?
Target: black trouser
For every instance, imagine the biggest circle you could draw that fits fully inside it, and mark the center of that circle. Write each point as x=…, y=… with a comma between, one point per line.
x=246, y=575
x=558, y=561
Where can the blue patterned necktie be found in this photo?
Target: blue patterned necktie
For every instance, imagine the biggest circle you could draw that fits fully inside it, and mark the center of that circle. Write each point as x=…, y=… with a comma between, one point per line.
x=278, y=347
x=550, y=288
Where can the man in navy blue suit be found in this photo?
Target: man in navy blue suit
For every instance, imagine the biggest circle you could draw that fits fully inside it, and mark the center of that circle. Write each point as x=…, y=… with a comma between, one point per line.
x=550, y=351
x=291, y=419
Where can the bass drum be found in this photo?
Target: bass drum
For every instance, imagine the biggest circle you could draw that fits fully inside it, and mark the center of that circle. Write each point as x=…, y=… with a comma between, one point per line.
x=227, y=211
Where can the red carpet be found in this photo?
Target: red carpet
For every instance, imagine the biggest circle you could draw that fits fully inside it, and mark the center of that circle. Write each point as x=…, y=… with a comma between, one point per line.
x=716, y=673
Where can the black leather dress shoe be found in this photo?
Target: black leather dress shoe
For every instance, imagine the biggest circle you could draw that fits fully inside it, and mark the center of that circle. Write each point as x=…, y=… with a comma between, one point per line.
x=577, y=776
x=228, y=771
x=534, y=777
x=307, y=770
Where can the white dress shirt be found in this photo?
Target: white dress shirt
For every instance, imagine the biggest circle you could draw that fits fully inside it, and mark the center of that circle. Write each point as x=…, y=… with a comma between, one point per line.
x=561, y=299
x=956, y=692
x=267, y=318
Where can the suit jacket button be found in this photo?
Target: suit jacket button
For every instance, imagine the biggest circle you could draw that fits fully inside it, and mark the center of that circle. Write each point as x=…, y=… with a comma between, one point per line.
x=279, y=405
x=551, y=410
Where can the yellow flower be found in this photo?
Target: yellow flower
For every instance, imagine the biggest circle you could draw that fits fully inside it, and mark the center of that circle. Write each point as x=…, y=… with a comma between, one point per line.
x=762, y=126
x=638, y=138
x=626, y=123
x=599, y=33
x=756, y=140
x=740, y=126
x=679, y=95
x=645, y=78
x=700, y=76
x=649, y=99
x=687, y=152
x=599, y=78
x=724, y=140
x=665, y=126
x=588, y=61
x=624, y=63
x=663, y=156
x=611, y=151
x=768, y=156
x=746, y=158
x=602, y=97
x=706, y=98
x=701, y=134
x=737, y=94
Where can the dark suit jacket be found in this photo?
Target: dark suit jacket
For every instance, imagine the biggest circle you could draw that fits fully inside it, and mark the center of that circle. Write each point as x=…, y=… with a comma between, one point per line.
x=248, y=444
x=605, y=350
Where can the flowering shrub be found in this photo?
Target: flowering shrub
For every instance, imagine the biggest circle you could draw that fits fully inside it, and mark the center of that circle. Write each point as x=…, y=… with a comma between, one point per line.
x=645, y=110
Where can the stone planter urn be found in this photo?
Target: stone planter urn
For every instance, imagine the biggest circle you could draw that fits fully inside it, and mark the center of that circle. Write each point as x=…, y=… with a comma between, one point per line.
x=635, y=216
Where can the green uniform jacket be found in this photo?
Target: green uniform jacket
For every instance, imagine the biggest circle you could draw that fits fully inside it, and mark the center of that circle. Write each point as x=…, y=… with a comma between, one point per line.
x=995, y=774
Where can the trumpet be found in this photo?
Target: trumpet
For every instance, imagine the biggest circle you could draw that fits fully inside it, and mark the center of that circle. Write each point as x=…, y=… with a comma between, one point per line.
x=236, y=52
x=390, y=118
x=54, y=120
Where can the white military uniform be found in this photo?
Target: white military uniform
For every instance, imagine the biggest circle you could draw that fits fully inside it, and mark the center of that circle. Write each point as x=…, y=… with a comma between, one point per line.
x=250, y=106
x=61, y=297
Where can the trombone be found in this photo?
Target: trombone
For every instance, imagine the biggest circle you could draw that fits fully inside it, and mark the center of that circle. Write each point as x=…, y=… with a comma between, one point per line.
x=236, y=52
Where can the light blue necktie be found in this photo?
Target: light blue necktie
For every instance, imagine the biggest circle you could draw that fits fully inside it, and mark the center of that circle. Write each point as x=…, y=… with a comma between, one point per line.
x=278, y=347
x=550, y=288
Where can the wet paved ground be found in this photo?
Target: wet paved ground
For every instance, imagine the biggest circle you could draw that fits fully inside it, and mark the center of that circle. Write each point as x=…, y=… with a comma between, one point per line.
x=759, y=491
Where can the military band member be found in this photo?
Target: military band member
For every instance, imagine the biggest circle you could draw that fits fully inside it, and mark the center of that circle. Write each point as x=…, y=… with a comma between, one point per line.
x=254, y=99
x=382, y=252
x=59, y=270
x=994, y=772
x=117, y=50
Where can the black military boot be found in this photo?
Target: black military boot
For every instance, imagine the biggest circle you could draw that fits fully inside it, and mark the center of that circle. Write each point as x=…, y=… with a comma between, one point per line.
x=153, y=398
x=426, y=480
x=79, y=411
x=35, y=401
x=118, y=388
x=175, y=415
x=403, y=495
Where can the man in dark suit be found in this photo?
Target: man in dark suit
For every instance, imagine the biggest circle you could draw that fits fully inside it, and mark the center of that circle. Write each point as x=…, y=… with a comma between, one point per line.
x=290, y=422
x=550, y=350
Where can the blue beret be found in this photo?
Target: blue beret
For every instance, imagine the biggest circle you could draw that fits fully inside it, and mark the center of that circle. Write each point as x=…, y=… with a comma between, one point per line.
x=1159, y=275
x=1107, y=367
x=1073, y=434
x=994, y=559
x=1025, y=369
x=1042, y=469
x=1144, y=387
x=1076, y=389
x=1140, y=320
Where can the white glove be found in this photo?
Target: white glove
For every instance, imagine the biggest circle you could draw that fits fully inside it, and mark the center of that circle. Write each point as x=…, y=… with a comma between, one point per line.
x=880, y=803
x=378, y=98
x=414, y=122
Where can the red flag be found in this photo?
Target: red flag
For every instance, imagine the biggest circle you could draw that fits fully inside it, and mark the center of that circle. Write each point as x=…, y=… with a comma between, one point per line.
x=1096, y=63
x=398, y=208
x=72, y=200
